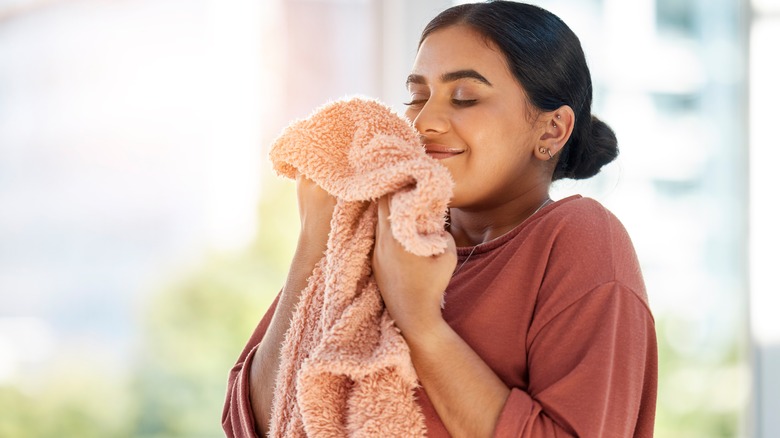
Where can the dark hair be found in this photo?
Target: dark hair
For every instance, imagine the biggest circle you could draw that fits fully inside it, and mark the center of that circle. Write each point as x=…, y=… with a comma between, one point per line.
x=546, y=58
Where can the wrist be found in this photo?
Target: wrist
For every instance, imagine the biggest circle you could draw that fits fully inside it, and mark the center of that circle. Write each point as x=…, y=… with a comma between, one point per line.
x=311, y=246
x=425, y=333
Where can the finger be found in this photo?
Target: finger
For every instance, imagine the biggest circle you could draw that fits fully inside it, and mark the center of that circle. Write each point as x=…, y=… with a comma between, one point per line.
x=452, y=247
x=452, y=250
x=380, y=225
x=383, y=213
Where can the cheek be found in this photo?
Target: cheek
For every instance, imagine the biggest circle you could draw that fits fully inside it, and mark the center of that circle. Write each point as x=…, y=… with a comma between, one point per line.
x=503, y=151
x=516, y=138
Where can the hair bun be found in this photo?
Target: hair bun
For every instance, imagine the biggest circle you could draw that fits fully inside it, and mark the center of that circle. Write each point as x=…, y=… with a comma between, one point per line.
x=596, y=150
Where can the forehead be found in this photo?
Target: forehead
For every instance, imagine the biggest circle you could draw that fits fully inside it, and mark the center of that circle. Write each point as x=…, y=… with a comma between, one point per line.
x=460, y=47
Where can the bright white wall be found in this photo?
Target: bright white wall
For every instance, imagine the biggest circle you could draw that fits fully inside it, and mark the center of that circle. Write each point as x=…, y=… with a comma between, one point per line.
x=764, y=98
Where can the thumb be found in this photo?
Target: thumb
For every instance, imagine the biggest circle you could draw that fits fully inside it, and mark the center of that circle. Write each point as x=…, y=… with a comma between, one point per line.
x=383, y=213
x=452, y=247
x=450, y=253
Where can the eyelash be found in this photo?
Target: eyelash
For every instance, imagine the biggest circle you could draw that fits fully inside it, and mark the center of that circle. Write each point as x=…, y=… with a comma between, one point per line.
x=414, y=102
x=456, y=102
x=464, y=103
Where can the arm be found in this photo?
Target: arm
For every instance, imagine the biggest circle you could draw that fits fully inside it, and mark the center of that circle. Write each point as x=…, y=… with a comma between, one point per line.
x=315, y=208
x=591, y=366
x=237, y=417
x=466, y=393
x=265, y=363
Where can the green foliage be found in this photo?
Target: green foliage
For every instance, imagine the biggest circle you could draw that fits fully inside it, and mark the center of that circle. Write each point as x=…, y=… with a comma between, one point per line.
x=195, y=329
x=192, y=331
x=703, y=383
x=74, y=399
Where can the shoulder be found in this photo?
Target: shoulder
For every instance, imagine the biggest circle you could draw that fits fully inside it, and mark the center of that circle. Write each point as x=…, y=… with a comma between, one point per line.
x=580, y=226
x=588, y=246
x=577, y=214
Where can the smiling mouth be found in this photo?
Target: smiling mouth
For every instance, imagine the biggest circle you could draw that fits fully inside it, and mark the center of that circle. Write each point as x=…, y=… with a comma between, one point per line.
x=440, y=151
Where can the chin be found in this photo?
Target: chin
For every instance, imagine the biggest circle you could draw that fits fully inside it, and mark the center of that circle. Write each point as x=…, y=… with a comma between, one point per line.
x=455, y=201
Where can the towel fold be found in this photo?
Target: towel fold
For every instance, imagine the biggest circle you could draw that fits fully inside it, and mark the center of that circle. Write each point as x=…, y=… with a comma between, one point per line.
x=345, y=369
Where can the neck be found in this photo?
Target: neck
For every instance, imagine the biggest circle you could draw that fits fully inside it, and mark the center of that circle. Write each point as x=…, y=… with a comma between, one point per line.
x=473, y=226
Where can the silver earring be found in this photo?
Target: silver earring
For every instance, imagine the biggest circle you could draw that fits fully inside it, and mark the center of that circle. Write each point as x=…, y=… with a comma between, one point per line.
x=545, y=151
x=554, y=125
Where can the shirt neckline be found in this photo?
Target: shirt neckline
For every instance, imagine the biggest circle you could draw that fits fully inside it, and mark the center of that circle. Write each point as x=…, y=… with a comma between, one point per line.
x=468, y=251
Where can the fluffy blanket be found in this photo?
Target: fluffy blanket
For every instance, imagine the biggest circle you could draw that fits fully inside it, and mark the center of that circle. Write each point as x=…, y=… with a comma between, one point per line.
x=345, y=368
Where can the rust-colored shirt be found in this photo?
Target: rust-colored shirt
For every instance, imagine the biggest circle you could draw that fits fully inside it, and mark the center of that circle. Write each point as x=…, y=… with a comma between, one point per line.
x=557, y=308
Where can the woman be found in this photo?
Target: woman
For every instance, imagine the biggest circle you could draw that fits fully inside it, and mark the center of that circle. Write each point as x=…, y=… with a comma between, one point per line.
x=546, y=329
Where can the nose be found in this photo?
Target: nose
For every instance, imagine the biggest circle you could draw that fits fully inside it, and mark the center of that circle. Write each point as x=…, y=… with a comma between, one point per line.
x=430, y=119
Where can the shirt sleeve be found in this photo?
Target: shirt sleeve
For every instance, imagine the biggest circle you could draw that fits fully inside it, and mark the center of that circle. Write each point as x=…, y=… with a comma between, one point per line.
x=238, y=419
x=592, y=371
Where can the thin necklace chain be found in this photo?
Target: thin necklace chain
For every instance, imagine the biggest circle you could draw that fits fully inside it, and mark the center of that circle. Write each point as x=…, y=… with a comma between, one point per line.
x=546, y=201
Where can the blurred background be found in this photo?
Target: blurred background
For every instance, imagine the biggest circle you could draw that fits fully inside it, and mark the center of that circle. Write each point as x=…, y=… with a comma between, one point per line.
x=143, y=234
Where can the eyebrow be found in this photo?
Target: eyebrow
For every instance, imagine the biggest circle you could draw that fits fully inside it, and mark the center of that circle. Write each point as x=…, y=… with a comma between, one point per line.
x=450, y=77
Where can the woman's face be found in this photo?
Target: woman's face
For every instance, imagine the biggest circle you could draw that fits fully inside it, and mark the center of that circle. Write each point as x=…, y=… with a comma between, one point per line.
x=474, y=117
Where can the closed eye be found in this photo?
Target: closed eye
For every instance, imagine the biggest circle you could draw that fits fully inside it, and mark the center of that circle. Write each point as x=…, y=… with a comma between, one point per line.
x=416, y=102
x=464, y=102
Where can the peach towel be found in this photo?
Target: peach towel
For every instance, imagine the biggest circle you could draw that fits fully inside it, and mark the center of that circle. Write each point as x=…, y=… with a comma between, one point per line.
x=345, y=369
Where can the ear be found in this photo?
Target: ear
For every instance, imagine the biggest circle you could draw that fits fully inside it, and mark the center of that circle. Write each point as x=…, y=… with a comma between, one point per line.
x=556, y=130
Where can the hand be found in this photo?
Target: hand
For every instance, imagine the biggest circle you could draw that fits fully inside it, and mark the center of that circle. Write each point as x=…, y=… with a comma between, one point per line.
x=412, y=286
x=315, y=208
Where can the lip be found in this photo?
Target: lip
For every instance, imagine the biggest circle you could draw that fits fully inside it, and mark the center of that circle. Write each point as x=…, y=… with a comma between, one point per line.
x=440, y=151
